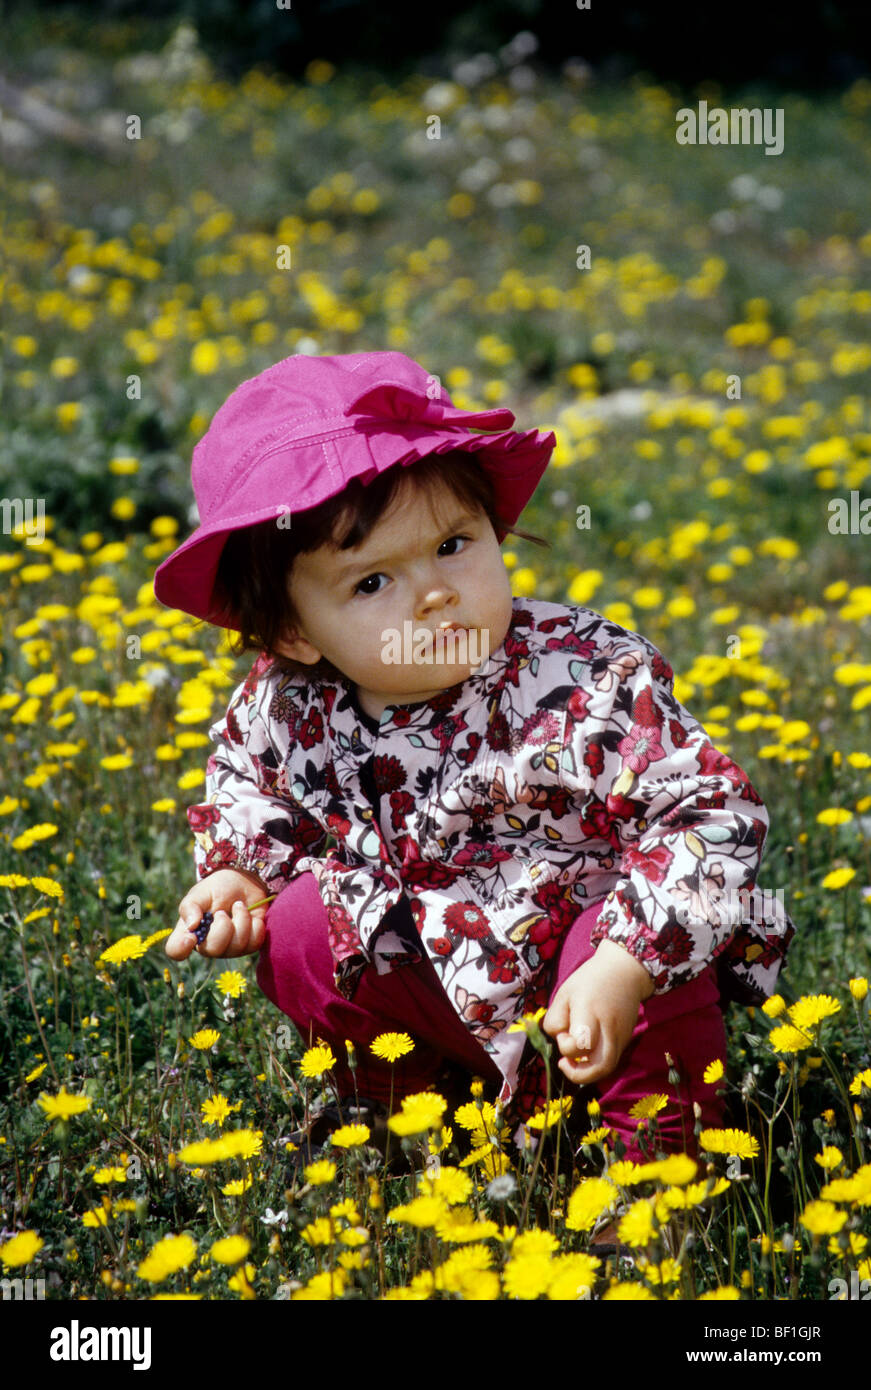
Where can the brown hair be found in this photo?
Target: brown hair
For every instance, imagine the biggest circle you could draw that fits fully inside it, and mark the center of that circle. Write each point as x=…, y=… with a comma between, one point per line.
x=256, y=562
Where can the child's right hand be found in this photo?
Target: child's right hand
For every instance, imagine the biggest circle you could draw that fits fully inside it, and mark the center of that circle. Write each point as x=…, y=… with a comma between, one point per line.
x=235, y=931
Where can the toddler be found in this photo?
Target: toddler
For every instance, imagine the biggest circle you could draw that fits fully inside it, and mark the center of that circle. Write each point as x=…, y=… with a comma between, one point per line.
x=466, y=807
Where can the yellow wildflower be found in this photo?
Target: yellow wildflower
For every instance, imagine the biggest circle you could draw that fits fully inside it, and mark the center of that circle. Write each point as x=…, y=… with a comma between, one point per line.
x=21, y=1249
x=391, y=1046
x=63, y=1105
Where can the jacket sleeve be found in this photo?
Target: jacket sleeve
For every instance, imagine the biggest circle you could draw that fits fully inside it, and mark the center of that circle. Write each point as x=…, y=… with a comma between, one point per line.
x=249, y=819
x=686, y=826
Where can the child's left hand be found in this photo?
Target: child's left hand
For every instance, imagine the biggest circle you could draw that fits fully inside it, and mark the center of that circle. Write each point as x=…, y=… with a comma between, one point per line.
x=595, y=1011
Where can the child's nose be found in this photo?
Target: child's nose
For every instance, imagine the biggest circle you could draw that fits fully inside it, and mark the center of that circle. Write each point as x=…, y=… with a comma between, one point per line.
x=435, y=598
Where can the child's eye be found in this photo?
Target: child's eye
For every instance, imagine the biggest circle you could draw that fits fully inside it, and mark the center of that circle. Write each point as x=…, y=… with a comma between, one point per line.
x=364, y=586
x=361, y=589
x=452, y=539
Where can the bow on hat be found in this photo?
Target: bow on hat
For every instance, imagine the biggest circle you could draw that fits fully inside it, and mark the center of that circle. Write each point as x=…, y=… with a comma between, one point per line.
x=395, y=400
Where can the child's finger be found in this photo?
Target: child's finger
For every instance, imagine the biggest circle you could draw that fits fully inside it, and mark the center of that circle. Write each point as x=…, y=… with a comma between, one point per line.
x=258, y=930
x=556, y=1020
x=243, y=930
x=179, y=945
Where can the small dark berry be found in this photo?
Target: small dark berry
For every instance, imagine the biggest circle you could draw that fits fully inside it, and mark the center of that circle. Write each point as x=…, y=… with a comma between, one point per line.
x=201, y=930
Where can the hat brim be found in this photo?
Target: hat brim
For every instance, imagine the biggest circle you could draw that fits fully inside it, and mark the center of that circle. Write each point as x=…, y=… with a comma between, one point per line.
x=515, y=461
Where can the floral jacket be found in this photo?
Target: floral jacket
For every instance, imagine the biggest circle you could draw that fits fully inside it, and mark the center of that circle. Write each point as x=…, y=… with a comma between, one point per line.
x=562, y=772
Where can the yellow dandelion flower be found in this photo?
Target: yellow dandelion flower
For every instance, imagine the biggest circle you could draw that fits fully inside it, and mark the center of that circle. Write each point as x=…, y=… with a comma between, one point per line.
x=556, y=1111
x=587, y=1203
x=788, y=1039
x=391, y=1046
x=204, y=1039
x=128, y=948
x=629, y=1292
x=830, y=1157
x=237, y=1143
x=713, y=1072
x=231, y=1250
x=322, y=1287
x=49, y=886
x=451, y=1184
x=205, y=1151
x=419, y=1112
x=350, y=1136
x=862, y=1078
x=319, y=1232
x=648, y=1106
x=774, y=1006
x=63, y=1105
x=169, y=1255
x=638, y=1226
x=243, y=1143
x=623, y=1172
x=237, y=1187
x=667, y=1271
x=316, y=1061
x=574, y=1276
x=107, y=1175
x=724, y=1293
x=493, y=1162
x=856, y=1244
x=848, y=1189
x=838, y=878
x=596, y=1136
x=859, y=988
x=354, y=1236
x=528, y=1277
x=809, y=1011
x=320, y=1172
x=471, y=1117
x=215, y=1109
x=421, y=1212
x=834, y=815
x=461, y=1269
x=232, y=983
x=528, y=1023
x=822, y=1218
x=97, y=1216
x=534, y=1242
x=729, y=1141
x=457, y=1226
x=676, y=1169
x=21, y=1249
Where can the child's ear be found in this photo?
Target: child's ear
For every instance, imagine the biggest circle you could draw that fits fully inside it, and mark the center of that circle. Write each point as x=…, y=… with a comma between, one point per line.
x=297, y=648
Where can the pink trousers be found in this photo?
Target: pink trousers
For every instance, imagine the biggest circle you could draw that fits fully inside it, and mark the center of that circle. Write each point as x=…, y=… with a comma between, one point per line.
x=295, y=971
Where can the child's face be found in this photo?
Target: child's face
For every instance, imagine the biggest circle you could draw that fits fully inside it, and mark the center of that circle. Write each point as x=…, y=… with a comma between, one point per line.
x=418, y=566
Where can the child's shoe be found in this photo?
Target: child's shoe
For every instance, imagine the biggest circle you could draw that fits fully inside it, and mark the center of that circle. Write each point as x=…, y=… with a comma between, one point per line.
x=604, y=1240
x=310, y=1142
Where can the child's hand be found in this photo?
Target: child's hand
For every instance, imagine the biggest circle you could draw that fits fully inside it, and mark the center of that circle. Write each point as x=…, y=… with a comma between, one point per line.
x=235, y=931
x=595, y=1011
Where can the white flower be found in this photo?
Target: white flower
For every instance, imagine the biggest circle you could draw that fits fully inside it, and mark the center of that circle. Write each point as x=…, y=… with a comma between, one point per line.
x=273, y=1218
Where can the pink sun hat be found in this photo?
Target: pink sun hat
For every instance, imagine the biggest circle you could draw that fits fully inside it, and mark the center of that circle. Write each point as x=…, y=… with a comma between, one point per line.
x=298, y=432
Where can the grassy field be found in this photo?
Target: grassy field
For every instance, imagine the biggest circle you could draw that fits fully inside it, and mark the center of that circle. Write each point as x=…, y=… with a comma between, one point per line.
x=708, y=379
